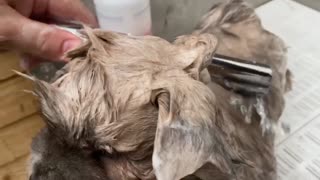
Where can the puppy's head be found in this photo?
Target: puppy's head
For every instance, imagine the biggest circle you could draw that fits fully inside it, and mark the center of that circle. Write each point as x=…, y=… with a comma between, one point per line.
x=141, y=100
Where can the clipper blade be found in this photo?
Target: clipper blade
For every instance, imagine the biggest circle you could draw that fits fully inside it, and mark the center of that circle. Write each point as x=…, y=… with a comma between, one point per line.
x=241, y=76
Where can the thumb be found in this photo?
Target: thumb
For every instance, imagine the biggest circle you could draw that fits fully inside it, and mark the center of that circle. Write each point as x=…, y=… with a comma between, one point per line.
x=44, y=40
x=36, y=38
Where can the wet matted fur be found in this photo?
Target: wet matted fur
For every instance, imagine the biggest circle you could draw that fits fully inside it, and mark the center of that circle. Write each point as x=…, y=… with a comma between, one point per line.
x=129, y=108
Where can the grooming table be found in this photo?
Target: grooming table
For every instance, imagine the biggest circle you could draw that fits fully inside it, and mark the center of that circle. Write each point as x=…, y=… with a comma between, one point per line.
x=298, y=152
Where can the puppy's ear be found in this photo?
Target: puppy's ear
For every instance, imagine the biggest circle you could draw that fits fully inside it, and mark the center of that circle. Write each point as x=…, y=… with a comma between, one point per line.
x=187, y=137
x=196, y=52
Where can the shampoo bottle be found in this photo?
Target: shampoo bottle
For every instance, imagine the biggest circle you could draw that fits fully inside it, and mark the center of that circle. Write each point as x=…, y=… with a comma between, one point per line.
x=126, y=16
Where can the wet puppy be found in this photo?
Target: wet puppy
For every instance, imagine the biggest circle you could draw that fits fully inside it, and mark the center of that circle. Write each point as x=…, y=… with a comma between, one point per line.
x=129, y=108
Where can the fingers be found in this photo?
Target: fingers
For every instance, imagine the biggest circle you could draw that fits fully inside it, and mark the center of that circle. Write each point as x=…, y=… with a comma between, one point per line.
x=38, y=39
x=44, y=40
x=33, y=37
x=23, y=7
x=71, y=9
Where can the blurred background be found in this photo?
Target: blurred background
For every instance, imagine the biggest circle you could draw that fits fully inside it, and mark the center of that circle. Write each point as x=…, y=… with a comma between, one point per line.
x=171, y=18
x=19, y=121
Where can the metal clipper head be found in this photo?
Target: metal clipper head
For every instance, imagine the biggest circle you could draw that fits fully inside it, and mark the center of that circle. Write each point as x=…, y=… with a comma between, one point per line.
x=241, y=76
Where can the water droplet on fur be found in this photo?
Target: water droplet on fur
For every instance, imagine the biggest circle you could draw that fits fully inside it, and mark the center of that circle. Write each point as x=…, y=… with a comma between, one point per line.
x=265, y=122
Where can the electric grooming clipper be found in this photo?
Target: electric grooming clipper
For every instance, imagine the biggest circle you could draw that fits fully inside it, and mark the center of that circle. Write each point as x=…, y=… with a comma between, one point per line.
x=240, y=76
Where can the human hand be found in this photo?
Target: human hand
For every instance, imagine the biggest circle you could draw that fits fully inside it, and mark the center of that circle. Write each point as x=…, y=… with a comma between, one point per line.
x=24, y=28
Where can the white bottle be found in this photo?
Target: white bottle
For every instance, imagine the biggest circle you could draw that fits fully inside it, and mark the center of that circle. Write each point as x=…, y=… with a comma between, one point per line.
x=126, y=16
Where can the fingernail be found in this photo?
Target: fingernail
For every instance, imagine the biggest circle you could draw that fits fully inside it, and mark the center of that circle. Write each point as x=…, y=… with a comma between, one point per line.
x=70, y=44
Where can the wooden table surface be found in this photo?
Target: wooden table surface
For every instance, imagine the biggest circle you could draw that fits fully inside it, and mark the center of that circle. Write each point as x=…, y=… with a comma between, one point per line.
x=19, y=121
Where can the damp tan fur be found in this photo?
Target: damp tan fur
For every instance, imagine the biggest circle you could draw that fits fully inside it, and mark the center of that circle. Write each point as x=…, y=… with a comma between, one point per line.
x=152, y=110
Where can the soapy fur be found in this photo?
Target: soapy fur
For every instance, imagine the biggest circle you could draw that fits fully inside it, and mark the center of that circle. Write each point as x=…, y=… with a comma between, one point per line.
x=134, y=108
